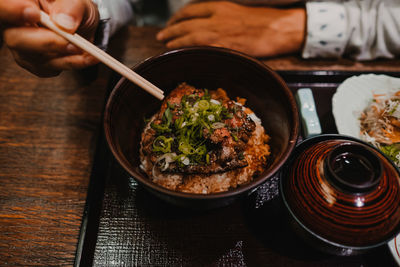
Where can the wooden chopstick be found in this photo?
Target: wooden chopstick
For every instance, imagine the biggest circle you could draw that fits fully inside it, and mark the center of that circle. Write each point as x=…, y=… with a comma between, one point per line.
x=102, y=56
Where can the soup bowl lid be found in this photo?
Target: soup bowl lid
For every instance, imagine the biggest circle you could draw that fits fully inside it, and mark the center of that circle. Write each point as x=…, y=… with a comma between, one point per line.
x=342, y=191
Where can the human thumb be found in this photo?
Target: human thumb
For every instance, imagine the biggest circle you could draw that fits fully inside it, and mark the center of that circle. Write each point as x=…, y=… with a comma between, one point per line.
x=67, y=14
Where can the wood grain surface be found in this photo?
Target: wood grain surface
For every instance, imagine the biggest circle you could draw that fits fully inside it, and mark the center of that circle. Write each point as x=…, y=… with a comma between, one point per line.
x=48, y=129
x=47, y=133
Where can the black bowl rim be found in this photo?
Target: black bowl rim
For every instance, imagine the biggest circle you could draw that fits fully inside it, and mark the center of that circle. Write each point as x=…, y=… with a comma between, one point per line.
x=281, y=193
x=294, y=134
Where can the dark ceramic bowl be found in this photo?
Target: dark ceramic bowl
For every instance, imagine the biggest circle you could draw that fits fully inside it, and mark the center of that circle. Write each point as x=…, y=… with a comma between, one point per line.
x=203, y=67
x=342, y=195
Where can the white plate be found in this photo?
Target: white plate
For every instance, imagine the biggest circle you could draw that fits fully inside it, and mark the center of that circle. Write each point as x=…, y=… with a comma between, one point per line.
x=394, y=246
x=354, y=95
x=350, y=99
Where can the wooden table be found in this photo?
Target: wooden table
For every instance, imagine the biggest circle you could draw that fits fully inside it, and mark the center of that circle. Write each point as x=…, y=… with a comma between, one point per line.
x=48, y=131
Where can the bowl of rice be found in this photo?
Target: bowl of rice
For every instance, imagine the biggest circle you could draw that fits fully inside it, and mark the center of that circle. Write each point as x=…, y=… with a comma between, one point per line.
x=226, y=125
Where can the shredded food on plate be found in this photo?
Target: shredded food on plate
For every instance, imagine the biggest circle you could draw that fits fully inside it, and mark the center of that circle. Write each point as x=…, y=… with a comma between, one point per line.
x=380, y=124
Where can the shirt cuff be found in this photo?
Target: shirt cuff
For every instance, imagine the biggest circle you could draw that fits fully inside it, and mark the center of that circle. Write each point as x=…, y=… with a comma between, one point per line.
x=326, y=30
x=117, y=12
x=102, y=35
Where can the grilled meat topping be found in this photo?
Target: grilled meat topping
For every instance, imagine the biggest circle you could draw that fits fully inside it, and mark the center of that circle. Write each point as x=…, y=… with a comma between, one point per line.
x=197, y=131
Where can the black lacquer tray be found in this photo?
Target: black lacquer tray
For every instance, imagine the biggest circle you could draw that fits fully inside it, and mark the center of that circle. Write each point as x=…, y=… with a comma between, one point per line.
x=124, y=225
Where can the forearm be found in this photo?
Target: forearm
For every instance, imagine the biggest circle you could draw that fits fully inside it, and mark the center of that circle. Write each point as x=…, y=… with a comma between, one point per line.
x=360, y=29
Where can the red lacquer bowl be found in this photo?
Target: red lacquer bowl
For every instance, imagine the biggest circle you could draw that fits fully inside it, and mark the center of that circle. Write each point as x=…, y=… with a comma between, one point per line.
x=342, y=194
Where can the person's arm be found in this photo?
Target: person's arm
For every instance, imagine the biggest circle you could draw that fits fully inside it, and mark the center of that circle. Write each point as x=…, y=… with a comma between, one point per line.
x=257, y=31
x=360, y=29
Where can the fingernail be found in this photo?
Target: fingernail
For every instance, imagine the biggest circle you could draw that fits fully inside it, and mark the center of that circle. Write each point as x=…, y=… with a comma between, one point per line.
x=159, y=36
x=65, y=21
x=73, y=49
x=30, y=14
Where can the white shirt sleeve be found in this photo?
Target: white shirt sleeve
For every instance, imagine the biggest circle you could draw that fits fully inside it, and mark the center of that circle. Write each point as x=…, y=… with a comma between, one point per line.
x=120, y=12
x=360, y=29
x=117, y=12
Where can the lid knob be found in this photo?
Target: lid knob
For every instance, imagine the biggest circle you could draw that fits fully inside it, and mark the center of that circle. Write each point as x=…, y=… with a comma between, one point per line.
x=353, y=167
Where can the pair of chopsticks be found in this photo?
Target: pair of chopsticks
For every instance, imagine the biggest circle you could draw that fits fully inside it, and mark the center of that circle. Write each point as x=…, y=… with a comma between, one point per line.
x=102, y=56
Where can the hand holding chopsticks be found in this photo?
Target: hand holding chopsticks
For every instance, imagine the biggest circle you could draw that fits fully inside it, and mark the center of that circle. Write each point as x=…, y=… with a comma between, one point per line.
x=102, y=56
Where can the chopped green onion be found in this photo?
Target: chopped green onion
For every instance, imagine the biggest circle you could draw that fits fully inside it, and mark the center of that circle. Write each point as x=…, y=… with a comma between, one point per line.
x=168, y=116
x=186, y=148
x=160, y=128
x=171, y=105
x=204, y=104
x=162, y=144
x=235, y=137
x=217, y=125
x=184, y=134
x=394, y=109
